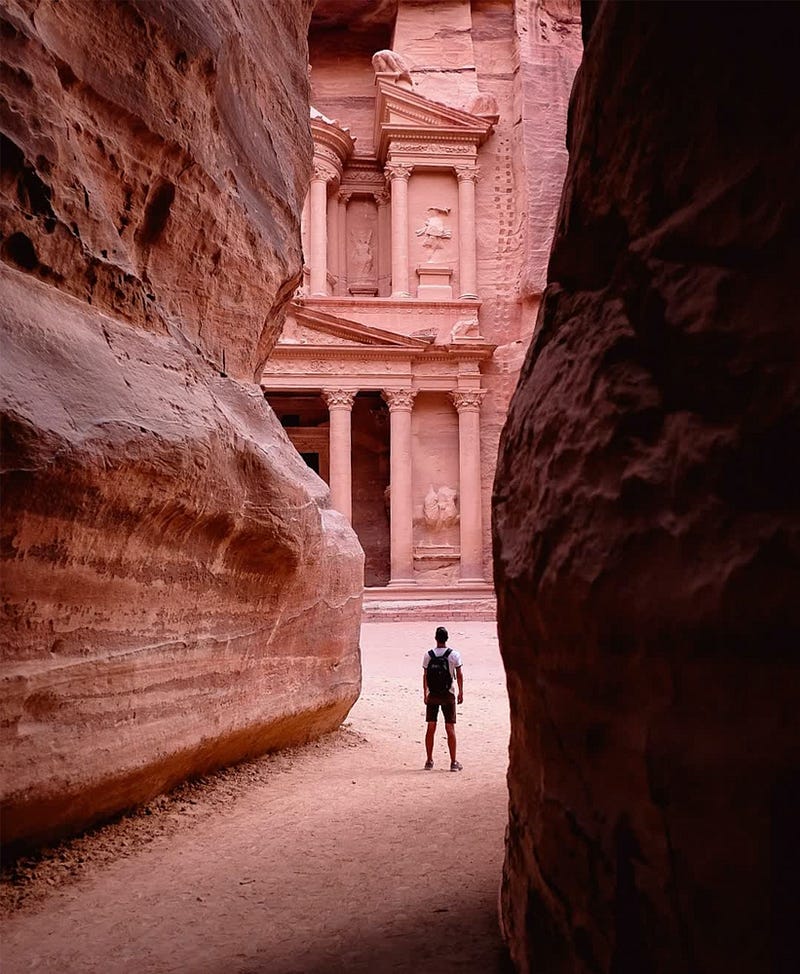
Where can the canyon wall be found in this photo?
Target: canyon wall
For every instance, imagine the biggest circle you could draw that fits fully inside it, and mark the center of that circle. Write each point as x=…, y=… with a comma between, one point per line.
x=176, y=592
x=646, y=522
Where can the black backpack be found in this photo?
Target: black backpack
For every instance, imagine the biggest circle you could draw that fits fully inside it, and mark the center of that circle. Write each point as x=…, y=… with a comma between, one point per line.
x=439, y=678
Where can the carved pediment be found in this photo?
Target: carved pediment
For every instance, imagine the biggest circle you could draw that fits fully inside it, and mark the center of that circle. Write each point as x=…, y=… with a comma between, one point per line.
x=307, y=327
x=400, y=113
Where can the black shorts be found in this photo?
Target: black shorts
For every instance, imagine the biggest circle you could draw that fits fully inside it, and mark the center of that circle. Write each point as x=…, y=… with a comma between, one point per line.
x=446, y=701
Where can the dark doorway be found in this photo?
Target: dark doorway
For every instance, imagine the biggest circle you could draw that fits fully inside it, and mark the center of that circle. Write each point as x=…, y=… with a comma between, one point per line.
x=370, y=480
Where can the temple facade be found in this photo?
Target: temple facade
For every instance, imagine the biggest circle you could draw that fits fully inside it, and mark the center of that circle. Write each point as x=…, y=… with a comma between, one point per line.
x=403, y=344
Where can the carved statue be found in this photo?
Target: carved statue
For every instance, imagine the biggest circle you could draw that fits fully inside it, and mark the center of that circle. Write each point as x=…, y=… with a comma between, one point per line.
x=448, y=514
x=433, y=231
x=390, y=62
x=439, y=508
x=430, y=508
x=465, y=328
x=362, y=258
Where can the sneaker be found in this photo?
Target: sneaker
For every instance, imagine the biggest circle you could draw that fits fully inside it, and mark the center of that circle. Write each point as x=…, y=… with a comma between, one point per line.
x=428, y=765
x=455, y=766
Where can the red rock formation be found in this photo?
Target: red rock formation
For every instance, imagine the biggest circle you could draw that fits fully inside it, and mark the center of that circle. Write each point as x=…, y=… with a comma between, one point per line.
x=176, y=595
x=647, y=536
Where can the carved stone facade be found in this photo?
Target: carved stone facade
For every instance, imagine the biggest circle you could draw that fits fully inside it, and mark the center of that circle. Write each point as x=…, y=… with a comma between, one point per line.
x=402, y=342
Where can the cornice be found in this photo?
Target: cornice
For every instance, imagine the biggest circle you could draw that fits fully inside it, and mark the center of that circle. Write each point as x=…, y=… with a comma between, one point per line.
x=336, y=301
x=475, y=353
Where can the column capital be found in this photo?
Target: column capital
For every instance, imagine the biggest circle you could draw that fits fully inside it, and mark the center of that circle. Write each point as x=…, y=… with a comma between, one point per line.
x=324, y=173
x=382, y=198
x=339, y=398
x=468, y=399
x=398, y=170
x=467, y=173
x=344, y=197
x=400, y=399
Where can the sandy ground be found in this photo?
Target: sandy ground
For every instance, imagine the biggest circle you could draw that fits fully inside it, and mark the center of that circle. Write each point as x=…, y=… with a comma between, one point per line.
x=341, y=856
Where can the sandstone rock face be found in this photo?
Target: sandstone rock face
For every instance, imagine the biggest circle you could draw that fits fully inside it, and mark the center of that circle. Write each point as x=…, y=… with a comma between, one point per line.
x=550, y=48
x=647, y=534
x=154, y=159
x=176, y=593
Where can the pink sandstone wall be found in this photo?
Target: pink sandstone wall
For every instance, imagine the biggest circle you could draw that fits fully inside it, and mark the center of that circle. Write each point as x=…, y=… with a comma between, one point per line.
x=647, y=527
x=176, y=593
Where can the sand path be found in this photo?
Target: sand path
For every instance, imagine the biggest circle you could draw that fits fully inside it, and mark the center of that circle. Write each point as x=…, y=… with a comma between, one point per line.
x=345, y=857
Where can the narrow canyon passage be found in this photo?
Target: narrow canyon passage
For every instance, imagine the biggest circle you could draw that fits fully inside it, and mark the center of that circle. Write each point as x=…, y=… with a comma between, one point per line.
x=349, y=857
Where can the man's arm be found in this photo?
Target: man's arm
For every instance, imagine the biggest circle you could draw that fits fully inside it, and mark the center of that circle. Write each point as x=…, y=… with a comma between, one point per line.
x=424, y=684
x=460, y=678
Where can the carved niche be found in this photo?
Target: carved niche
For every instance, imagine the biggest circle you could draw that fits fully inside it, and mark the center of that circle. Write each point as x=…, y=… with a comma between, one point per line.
x=362, y=246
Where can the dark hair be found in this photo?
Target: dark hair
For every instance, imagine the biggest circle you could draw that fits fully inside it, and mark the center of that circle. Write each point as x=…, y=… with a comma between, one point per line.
x=441, y=635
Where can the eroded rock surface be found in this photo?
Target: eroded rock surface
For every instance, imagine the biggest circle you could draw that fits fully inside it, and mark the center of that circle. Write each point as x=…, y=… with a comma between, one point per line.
x=647, y=535
x=176, y=594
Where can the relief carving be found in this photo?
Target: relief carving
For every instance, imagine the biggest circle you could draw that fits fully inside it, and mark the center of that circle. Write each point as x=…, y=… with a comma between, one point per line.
x=439, y=508
x=433, y=147
x=433, y=231
x=362, y=257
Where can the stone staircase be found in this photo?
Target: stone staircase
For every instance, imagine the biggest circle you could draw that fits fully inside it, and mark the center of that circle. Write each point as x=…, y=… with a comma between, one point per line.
x=470, y=603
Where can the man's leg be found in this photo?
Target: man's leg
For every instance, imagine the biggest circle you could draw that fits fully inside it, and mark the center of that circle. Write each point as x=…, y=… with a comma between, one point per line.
x=429, y=736
x=451, y=740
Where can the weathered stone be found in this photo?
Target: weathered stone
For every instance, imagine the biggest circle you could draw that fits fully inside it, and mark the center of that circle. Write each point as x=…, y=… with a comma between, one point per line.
x=176, y=594
x=155, y=157
x=647, y=535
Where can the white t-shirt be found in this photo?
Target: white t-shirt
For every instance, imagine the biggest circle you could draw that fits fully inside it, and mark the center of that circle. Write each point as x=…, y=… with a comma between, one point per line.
x=453, y=660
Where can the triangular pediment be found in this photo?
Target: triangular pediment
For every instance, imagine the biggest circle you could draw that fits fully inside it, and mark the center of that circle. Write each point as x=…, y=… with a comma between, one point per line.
x=309, y=327
x=401, y=112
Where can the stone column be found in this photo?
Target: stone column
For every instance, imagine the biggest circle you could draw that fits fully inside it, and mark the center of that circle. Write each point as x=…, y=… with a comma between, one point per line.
x=467, y=245
x=382, y=201
x=400, y=402
x=334, y=258
x=340, y=408
x=341, y=285
x=318, y=232
x=468, y=404
x=398, y=176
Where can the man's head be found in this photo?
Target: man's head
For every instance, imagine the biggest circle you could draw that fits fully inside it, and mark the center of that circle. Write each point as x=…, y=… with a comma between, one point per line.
x=441, y=636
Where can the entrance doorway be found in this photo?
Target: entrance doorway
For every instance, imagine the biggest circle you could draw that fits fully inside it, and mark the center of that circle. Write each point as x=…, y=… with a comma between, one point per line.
x=370, y=485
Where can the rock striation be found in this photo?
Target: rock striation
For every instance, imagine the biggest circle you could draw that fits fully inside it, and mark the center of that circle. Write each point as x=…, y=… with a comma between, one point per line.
x=176, y=593
x=646, y=522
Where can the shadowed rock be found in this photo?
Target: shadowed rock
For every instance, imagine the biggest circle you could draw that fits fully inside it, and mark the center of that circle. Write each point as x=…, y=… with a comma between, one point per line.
x=647, y=534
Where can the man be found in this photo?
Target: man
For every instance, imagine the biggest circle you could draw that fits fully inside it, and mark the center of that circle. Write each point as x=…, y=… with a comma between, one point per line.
x=438, y=695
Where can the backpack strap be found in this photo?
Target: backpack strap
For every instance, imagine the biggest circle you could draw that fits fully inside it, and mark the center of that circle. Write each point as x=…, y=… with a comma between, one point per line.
x=432, y=654
x=446, y=653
